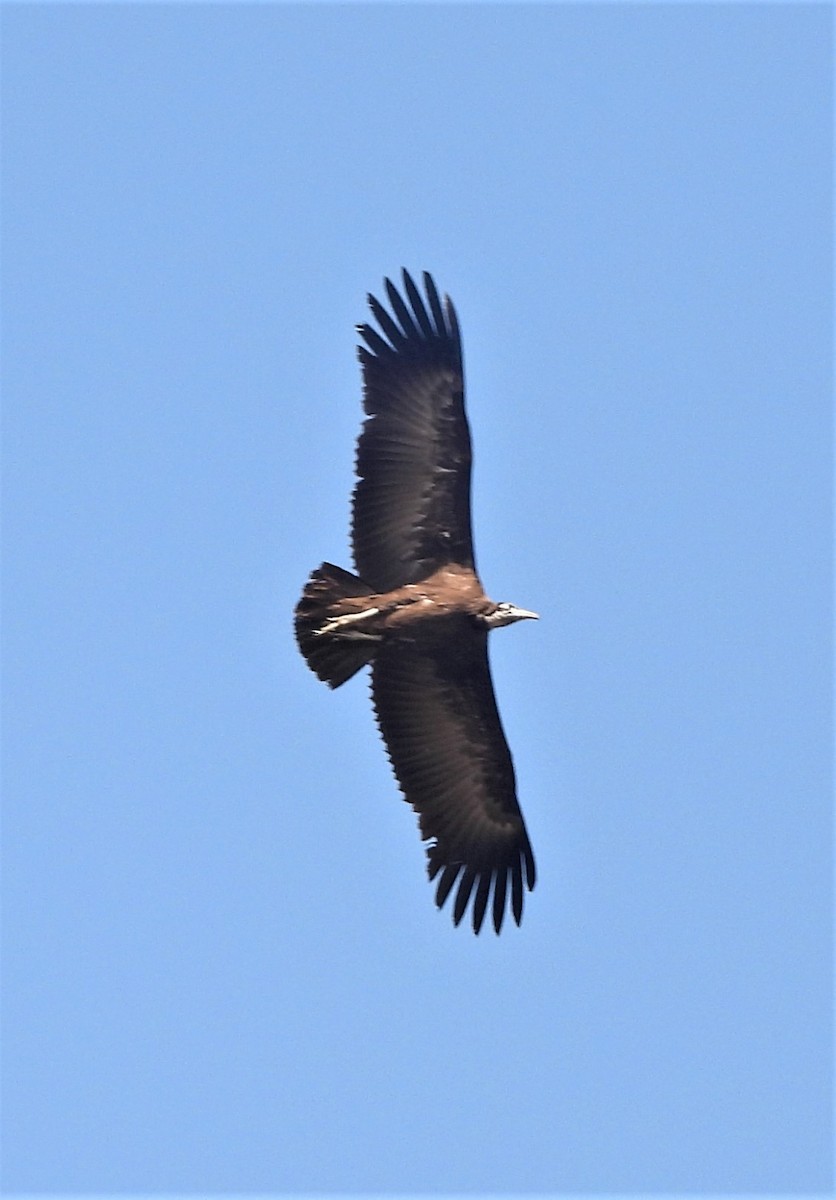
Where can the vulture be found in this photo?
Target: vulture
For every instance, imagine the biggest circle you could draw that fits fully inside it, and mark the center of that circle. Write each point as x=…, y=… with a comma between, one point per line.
x=416, y=610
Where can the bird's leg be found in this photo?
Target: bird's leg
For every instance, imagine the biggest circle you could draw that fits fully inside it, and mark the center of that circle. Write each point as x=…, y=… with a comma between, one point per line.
x=343, y=626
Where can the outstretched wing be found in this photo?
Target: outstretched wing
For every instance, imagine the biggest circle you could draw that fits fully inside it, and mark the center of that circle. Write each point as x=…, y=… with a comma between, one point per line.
x=437, y=712
x=411, y=507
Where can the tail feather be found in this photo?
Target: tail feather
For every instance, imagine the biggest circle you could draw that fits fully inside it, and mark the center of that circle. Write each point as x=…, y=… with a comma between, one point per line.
x=332, y=659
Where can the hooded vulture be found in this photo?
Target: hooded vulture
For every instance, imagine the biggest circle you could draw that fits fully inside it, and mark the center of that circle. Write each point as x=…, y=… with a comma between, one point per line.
x=417, y=612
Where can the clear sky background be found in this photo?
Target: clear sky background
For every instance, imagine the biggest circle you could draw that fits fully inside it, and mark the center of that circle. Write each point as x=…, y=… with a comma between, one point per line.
x=223, y=967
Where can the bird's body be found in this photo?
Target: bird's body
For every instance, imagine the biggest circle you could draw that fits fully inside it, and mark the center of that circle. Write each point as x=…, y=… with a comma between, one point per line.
x=416, y=610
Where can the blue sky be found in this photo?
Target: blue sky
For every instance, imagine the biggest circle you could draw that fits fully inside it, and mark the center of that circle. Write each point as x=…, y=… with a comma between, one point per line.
x=223, y=967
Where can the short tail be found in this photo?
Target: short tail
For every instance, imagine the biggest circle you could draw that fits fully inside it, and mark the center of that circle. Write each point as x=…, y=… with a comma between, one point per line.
x=332, y=659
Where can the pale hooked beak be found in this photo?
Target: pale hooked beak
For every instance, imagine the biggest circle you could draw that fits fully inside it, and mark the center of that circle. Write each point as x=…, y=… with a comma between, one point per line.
x=507, y=614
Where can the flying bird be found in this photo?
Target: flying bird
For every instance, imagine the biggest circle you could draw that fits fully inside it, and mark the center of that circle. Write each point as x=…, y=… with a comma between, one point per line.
x=417, y=612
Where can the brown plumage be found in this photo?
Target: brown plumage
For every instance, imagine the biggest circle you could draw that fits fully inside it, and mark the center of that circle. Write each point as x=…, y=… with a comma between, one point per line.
x=416, y=609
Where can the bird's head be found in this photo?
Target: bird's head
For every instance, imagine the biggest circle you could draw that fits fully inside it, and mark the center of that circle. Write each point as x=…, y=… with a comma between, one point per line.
x=506, y=614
